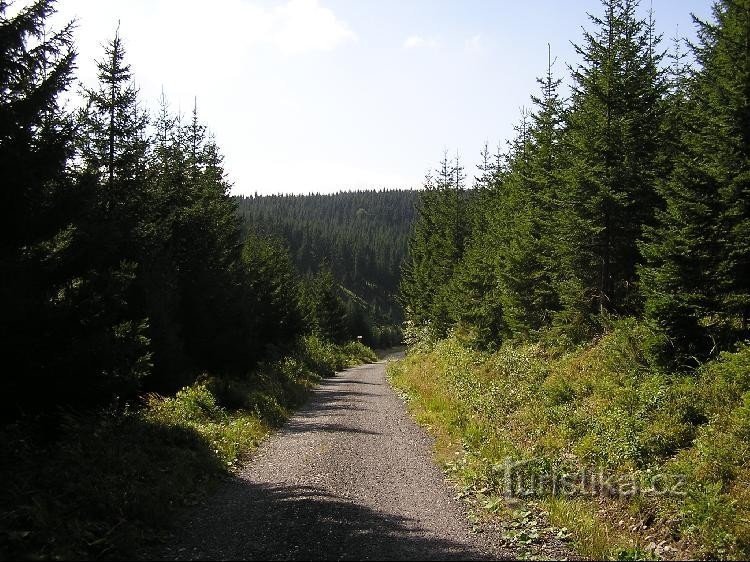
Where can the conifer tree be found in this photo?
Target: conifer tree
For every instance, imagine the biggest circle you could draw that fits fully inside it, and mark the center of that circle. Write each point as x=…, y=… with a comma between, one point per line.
x=532, y=190
x=697, y=274
x=435, y=248
x=326, y=310
x=209, y=250
x=114, y=141
x=475, y=288
x=112, y=147
x=613, y=139
x=272, y=293
x=38, y=205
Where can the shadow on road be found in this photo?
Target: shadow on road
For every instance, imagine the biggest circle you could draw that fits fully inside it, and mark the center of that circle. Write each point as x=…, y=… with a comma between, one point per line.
x=274, y=522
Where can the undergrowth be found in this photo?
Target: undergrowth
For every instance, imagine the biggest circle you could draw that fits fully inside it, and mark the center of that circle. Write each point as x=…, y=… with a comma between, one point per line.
x=101, y=485
x=679, y=442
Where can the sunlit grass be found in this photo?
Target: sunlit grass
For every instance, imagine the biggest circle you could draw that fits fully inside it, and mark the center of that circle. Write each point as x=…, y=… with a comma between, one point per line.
x=608, y=407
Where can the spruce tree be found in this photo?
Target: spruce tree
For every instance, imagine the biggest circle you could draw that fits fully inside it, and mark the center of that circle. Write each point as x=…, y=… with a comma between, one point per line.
x=272, y=293
x=698, y=255
x=38, y=207
x=516, y=241
x=475, y=288
x=613, y=139
x=326, y=310
x=532, y=189
x=112, y=148
x=435, y=248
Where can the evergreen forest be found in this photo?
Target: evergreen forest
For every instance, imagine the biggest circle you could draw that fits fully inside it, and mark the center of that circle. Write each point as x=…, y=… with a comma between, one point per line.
x=360, y=236
x=622, y=197
x=582, y=302
x=124, y=264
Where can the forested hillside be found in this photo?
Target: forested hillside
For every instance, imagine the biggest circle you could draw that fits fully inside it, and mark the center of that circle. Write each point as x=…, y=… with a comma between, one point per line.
x=360, y=235
x=593, y=285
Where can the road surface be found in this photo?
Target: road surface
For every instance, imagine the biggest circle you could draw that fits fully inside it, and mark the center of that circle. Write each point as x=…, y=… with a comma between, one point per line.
x=349, y=477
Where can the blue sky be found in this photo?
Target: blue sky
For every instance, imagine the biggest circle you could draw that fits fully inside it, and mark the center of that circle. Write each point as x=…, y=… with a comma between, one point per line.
x=323, y=95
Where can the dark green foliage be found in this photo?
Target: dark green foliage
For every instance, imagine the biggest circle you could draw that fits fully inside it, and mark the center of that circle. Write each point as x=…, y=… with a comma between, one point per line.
x=199, y=249
x=121, y=253
x=476, y=306
x=696, y=281
x=62, y=327
x=361, y=235
x=631, y=197
x=273, y=291
x=435, y=248
x=532, y=191
x=325, y=307
x=112, y=148
x=613, y=141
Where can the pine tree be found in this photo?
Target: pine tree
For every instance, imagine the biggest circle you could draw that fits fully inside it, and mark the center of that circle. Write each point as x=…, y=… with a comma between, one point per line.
x=435, y=248
x=613, y=140
x=38, y=205
x=698, y=255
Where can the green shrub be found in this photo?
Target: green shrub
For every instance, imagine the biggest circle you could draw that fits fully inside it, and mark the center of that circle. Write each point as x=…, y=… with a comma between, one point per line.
x=325, y=358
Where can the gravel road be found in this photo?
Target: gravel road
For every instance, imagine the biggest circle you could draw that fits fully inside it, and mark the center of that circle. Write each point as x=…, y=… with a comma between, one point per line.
x=350, y=476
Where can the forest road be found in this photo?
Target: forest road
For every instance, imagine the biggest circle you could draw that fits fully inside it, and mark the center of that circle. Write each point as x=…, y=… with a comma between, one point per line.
x=349, y=477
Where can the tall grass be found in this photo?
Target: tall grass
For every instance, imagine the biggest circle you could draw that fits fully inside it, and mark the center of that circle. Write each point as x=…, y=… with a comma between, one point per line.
x=608, y=408
x=101, y=485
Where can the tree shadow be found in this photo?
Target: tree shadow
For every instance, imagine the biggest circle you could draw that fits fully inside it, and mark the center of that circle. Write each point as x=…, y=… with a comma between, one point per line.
x=251, y=521
x=352, y=381
x=303, y=427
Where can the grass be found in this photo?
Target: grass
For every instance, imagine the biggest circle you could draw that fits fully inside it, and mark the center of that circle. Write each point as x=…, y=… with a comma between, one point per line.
x=103, y=485
x=676, y=446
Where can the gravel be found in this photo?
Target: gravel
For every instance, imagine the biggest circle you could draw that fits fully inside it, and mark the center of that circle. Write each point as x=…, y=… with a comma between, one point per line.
x=350, y=476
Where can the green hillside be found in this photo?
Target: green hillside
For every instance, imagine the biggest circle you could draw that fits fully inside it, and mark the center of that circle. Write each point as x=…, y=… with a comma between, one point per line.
x=362, y=235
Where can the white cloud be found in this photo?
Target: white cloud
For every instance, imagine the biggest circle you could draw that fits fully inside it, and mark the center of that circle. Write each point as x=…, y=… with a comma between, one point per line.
x=304, y=25
x=292, y=27
x=474, y=44
x=416, y=41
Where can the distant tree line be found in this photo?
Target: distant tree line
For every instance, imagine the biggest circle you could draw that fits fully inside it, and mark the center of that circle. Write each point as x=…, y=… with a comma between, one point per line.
x=358, y=237
x=629, y=197
x=122, y=261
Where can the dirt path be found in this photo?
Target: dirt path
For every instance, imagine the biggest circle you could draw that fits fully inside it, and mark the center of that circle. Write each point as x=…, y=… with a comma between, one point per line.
x=351, y=476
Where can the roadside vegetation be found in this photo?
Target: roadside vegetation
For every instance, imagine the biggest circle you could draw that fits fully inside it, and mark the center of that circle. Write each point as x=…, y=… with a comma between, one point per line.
x=655, y=462
x=107, y=484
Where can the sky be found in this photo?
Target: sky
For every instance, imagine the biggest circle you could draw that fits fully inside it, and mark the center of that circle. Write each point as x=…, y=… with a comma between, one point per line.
x=327, y=95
